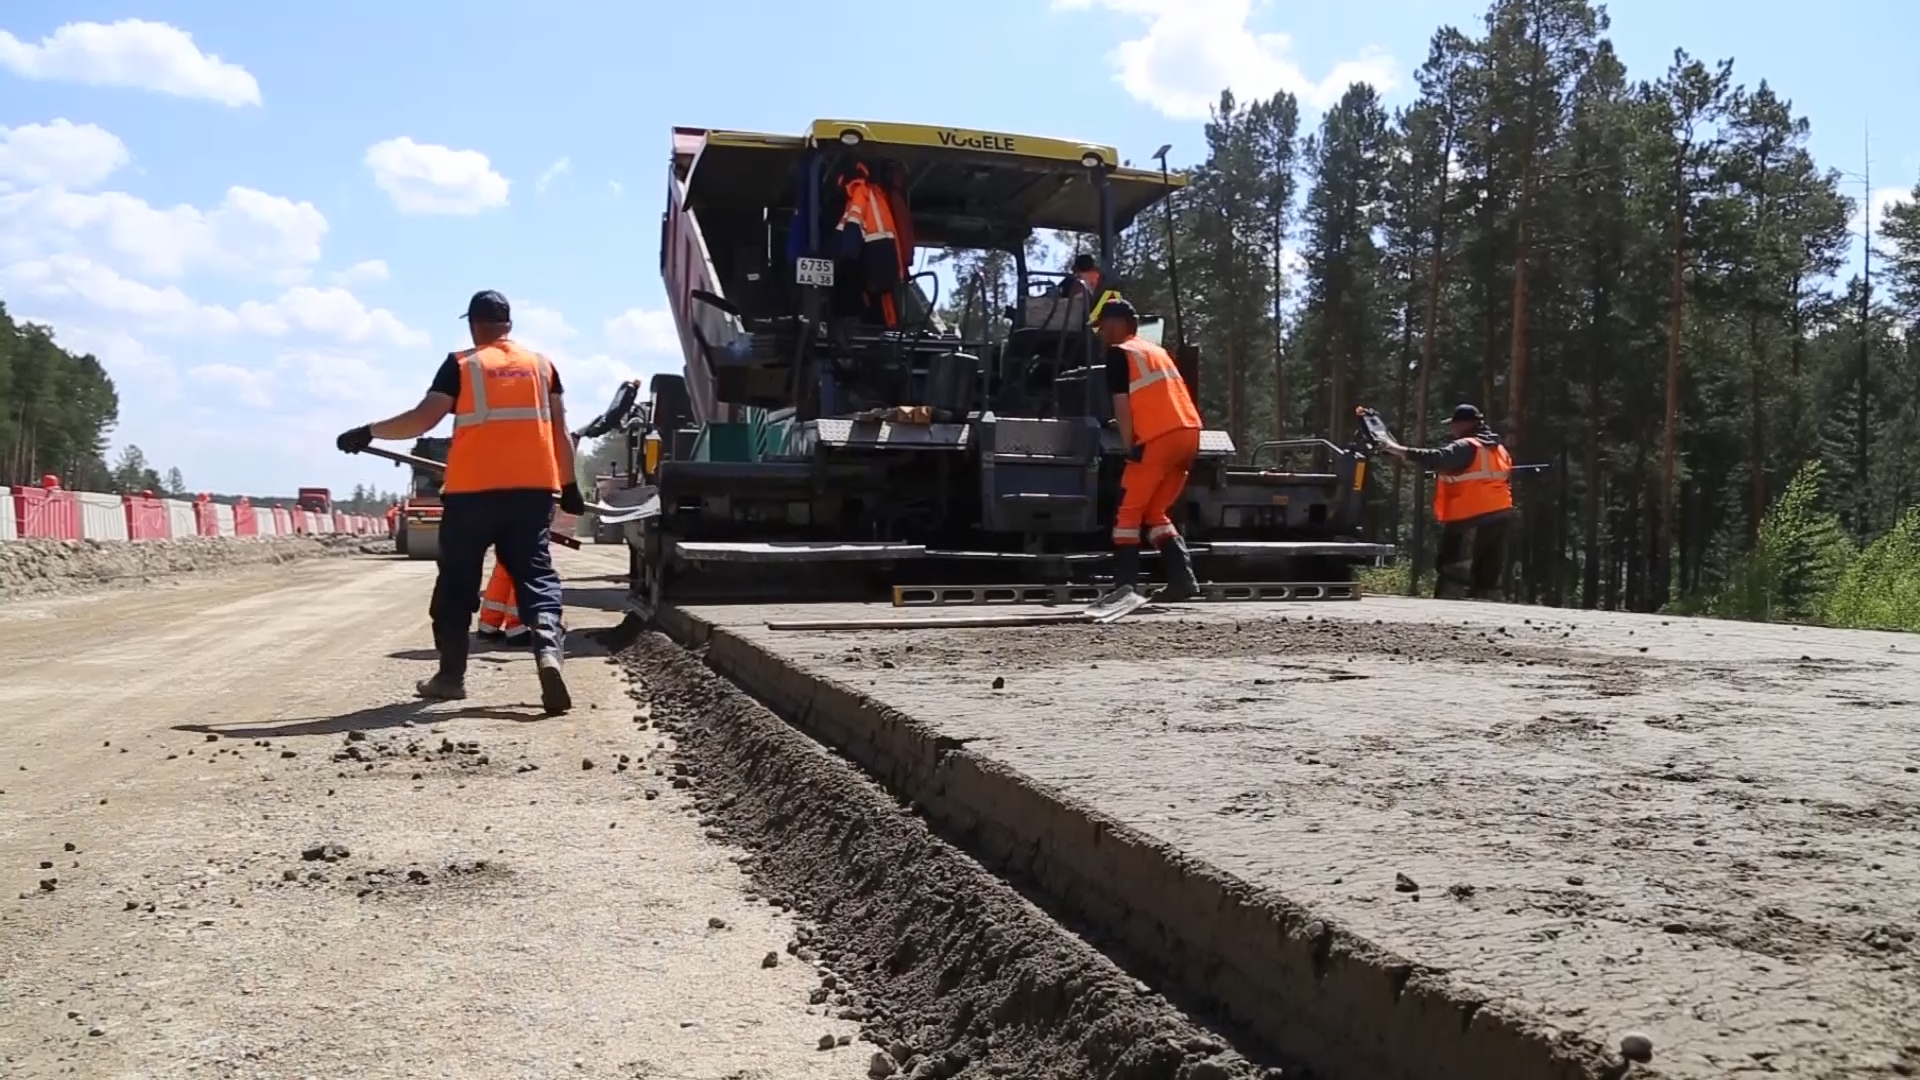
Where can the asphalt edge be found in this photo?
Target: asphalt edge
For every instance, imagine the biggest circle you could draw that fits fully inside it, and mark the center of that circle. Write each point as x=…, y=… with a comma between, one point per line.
x=1305, y=986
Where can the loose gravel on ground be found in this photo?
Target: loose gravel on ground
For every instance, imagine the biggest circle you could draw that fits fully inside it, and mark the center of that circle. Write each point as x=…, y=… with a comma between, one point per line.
x=950, y=972
x=56, y=567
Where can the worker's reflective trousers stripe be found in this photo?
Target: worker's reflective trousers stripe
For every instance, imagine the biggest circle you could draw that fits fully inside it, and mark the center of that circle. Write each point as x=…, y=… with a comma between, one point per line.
x=1152, y=484
x=477, y=379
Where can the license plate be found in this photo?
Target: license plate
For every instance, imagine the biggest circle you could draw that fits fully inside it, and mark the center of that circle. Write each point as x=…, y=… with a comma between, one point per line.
x=814, y=272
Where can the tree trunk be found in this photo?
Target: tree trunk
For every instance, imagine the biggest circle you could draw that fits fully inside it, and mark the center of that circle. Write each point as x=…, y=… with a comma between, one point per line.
x=1400, y=404
x=1757, y=436
x=1429, y=350
x=1279, y=347
x=1517, y=363
x=1598, y=336
x=1676, y=321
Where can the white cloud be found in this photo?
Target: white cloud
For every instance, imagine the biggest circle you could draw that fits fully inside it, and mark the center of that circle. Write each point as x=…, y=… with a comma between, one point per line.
x=554, y=172
x=60, y=154
x=1883, y=200
x=75, y=281
x=91, y=290
x=125, y=357
x=643, y=332
x=254, y=388
x=349, y=378
x=334, y=314
x=615, y=188
x=363, y=272
x=590, y=382
x=1193, y=49
x=130, y=53
x=432, y=179
x=542, y=329
x=250, y=232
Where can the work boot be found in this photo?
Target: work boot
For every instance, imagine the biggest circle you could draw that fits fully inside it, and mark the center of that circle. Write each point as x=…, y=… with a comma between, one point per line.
x=450, y=682
x=549, y=651
x=1126, y=575
x=1181, y=584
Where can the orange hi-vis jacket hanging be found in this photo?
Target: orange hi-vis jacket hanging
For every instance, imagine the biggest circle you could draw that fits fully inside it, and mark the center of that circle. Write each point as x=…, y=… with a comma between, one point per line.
x=502, y=422
x=870, y=210
x=1480, y=489
x=1156, y=393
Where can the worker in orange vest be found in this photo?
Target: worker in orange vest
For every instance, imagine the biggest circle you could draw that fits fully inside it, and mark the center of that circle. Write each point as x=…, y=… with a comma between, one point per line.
x=499, y=614
x=510, y=456
x=1472, y=501
x=1160, y=427
x=871, y=226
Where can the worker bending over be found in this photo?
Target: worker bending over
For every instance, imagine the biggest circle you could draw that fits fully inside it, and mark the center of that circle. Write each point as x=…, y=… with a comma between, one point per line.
x=1472, y=501
x=1160, y=427
x=510, y=456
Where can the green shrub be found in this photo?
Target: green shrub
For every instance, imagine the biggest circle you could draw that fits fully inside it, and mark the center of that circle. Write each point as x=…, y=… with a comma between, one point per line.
x=1881, y=589
x=1800, y=560
x=1385, y=580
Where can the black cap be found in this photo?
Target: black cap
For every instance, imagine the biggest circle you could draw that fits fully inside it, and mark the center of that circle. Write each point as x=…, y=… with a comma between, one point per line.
x=1466, y=414
x=1084, y=262
x=488, y=306
x=1118, y=308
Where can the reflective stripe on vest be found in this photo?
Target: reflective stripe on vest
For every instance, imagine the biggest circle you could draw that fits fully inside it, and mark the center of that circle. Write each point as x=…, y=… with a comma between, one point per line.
x=502, y=446
x=481, y=414
x=1481, y=488
x=1156, y=392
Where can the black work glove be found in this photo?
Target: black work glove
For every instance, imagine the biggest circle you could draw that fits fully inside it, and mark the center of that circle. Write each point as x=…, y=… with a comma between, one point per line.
x=352, y=442
x=1138, y=452
x=571, y=500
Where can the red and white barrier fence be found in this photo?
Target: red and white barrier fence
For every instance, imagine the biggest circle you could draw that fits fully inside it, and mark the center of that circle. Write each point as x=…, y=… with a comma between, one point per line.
x=50, y=512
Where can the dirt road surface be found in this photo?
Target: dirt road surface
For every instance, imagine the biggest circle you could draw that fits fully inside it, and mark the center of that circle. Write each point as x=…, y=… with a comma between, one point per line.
x=230, y=846
x=1701, y=831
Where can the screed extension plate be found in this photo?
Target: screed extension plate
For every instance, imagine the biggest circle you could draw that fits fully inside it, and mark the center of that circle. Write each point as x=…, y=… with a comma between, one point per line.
x=1215, y=592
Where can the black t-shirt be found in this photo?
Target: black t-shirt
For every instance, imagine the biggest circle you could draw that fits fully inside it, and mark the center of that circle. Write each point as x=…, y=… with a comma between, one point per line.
x=447, y=379
x=1119, y=372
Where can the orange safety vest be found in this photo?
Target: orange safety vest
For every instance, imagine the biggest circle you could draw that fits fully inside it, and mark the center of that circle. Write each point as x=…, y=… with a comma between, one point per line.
x=502, y=422
x=1481, y=488
x=871, y=211
x=1156, y=393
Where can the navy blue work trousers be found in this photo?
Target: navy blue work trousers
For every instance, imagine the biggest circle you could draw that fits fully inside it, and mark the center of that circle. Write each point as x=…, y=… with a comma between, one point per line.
x=514, y=524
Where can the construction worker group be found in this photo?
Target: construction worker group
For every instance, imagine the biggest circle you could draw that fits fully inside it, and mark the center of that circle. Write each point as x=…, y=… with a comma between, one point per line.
x=511, y=462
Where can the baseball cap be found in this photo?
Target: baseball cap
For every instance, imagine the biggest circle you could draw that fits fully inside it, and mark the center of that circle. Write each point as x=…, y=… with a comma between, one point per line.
x=1118, y=308
x=1466, y=414
x=488, y=306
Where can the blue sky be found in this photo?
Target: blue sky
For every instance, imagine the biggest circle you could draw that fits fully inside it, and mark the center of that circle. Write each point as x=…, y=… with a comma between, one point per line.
x=265, y=218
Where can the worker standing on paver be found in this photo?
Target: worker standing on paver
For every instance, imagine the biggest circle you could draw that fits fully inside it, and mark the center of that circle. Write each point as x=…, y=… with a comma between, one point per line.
x=1472, y=501
x=1160, y=427
x=510, y=455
